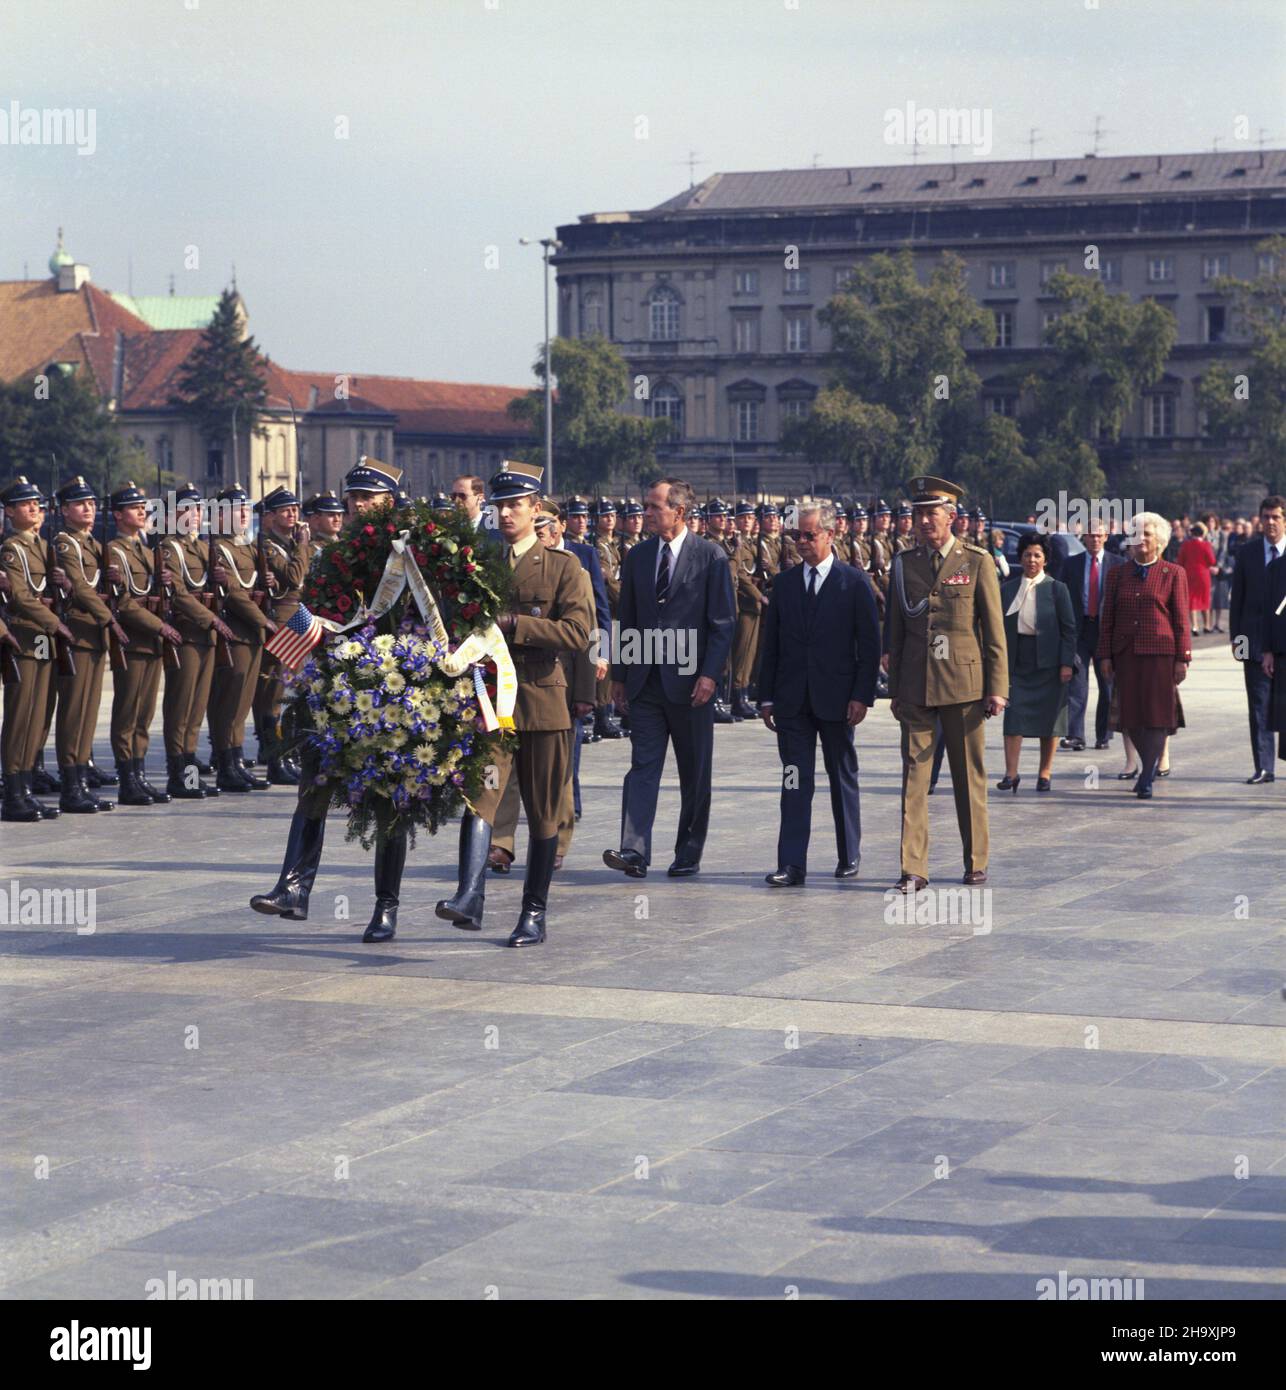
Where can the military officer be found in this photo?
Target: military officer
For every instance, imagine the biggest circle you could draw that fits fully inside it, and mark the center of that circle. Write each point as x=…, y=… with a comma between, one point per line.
x=960, y=526
x=32, y=621
x=718, y=528
x=603, y=512
x=946, y=662
x=631, y=525
x=842, y=548
x=904, y=536
x=87, y=615
x=286, y=549
x=550, y=612
x=882, y=553
x=751, y=601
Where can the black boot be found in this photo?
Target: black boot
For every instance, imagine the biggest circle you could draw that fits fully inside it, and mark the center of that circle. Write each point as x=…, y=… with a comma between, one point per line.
x=230, y=776
x=82, y=776
x=159, y=797
x=530, y=930
x=178, y=784
x=42, y=781
x=605, y=726
x=465, y=908
x=281, y=773
x=75, y=799
x=130, y=794
x=257, y=783
x=298, y=870
x=100, y=777
x=202, y=770
x=17, y=806
x=205, y=769
x=390, y=860
x=742, y=706
x=722, y=713
x=46, y=811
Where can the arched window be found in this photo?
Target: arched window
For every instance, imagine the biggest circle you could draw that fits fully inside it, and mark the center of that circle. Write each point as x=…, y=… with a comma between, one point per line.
x=591, y=314
x=666, y=403
x=663, y=314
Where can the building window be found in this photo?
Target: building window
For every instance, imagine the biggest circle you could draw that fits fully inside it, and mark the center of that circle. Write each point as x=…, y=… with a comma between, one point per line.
x=796, y=281
x=1048, y=269
x=1002, y=275
x=1109, y=270
x=1216, y=323
x=795, y=409
x=361, y=443
x=747, y=480
x=843, y=278
x=745, y=282
x=1048, y=318
x=663, y=314
x=745, y=332
x=1005, y=404
x=797, y=332
x=666, y=403
x=1266, y=264
x=591, y=314
x=1159, y=414
x=1213, y=267
x=165, y=454
x=746, y=418
x=214, y=465
x=1160, y=269
x=1004, y=327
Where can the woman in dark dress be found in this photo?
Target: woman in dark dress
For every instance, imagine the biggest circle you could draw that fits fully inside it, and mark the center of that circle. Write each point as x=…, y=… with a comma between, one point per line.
x=1144, y=644
x=1040, y=633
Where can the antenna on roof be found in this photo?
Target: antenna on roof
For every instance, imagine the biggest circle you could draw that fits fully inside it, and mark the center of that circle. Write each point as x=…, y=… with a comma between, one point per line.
x=1033, y=139
x=1264, y=137
x=234, y=277
x=915, y=146
x=692, y=161
x=1214, y=146
x=1098, y=133
x=171, y=284
x=816, y=157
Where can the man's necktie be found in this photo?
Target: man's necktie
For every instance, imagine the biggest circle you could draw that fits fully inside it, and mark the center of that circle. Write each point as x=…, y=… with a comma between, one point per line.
x=1092, y=606
x=811, y=594
x=663, y=575
x=513, y=559
x=936, y=562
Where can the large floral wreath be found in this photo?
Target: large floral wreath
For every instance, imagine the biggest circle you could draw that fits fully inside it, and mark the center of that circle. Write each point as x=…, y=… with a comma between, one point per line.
x=395, y=739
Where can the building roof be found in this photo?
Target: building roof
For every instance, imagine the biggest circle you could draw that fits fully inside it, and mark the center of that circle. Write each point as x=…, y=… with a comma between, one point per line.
x=38, y=325
x=1127, y=177
x=167, y=311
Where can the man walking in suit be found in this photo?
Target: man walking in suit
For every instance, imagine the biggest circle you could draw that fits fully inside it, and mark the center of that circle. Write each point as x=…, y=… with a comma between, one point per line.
x=1085, y=576
x=1273, y=662
x=677, y=614
x=1246, y=626
x=945, y=637
x=821, y=654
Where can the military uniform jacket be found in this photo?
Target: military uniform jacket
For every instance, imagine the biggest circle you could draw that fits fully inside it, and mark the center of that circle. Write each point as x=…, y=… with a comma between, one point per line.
x=241, y=613
x=843, y=548
x=953, y=650
x=859, y=549
x=610, y=561
x=627, y=543
x=907, y=542
x=85, y=612
x=133, y=557
x=288, y=564
x=578, y=667
x=767, y=560
x=553, y=614
x=744, y=577
x=23, y=557
x=187, y=558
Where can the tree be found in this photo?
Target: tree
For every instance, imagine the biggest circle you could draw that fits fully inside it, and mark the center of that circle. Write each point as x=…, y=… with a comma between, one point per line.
x=53, y=428
x=593, y=440
x=224, y=371
x=1247, y=408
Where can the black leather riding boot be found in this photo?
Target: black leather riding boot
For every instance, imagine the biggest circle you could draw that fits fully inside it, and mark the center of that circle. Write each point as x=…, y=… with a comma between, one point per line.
x=465, y=908
x=298, y=870
x=130, y=794
x=530, y=930
x=390, y=860
x=230, y=776
x=82, y=777
x=191, y=760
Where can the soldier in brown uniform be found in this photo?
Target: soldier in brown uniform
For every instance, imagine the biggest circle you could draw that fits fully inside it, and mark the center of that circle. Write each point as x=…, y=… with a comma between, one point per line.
x=631, y=525
x=718, y=528
x=751, y=601
x=842, y=549
x=881, y=553
x=550, y=612
x=603, y=513
x=324, y=513
x=946, y=662
x=904, y=536
x=135, y=690
x=286, y=547
x=87, y=615
x=232, y=689
x=24, y=559
x=188, y=682
x=859, y=544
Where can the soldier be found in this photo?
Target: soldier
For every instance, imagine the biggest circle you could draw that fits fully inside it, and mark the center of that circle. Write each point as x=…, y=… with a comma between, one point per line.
x=718, y=528
x=606, y=725
x=859, y=544
x=442, y=503
x=842, y=547
x=550, y=612
x=324, y=513
x=232, y=690
x=286, y=549
x=631, y=525
x=960, y=526
x=205, y=636
x=32, y=622
x=577, y=513
x=904, y=537
x=131, y=567
x=881, y=553
x=946, y=661
x=80, y=692
x=751, y=601
x=978, y=534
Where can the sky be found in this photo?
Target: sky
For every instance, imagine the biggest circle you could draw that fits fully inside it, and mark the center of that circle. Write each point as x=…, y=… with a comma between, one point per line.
x=468, y=124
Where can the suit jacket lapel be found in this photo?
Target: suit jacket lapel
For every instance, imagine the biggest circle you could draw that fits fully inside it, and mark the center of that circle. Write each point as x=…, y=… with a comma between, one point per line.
x=681, y=565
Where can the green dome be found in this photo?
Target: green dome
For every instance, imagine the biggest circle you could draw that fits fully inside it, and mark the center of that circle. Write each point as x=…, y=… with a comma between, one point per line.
x=61, y=256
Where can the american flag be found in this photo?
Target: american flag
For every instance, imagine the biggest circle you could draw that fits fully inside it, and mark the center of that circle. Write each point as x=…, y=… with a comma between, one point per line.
x=295, y=638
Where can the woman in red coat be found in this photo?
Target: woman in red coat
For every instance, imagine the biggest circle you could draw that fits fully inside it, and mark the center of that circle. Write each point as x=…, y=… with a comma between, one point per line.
x=1197, y=557
x=1143, y=643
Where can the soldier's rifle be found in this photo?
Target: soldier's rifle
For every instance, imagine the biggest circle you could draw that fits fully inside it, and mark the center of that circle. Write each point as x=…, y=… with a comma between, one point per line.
x=115, y=648
x=212, y=597
x=54, y=598
x=161, y=601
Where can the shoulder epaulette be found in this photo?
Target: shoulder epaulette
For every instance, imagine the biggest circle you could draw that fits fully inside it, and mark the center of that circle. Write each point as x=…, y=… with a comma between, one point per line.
x=977, y=549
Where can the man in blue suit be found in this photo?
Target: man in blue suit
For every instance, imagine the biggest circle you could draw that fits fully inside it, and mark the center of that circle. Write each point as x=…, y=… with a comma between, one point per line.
x=677, y=614
x=818, y=667
x=1246, y=626
x=1086, y=578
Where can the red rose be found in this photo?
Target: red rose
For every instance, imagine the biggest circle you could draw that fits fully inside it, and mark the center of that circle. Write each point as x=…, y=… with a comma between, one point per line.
x=391, y=529
x=470, y=569
x=421, y=558
x=429, y=528
x=466, y=550
x=344, y=603
x=368, y=529
x=437, y=549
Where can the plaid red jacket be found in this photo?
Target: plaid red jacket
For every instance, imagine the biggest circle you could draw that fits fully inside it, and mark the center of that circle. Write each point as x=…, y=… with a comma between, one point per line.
x=1146, y=616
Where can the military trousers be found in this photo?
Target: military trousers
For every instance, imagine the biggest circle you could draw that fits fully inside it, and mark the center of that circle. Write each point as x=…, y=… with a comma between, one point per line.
x=269, y=692
x=25, y=702
x=187, y=694
x=79, y=698
x=134, y=695
x=505, y=824
x=232, y=691
x=745, y=647
x=541, y=763
x=963, y=733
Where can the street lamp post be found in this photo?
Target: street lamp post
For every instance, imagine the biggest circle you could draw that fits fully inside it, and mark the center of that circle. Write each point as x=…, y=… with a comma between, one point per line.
x=548, y=244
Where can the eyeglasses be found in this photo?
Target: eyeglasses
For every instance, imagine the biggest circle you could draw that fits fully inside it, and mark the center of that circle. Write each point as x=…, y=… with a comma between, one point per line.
x=811, y=535
x=459, y=496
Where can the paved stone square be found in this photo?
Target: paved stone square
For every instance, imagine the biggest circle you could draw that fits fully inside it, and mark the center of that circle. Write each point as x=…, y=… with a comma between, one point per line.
x=695, y=1089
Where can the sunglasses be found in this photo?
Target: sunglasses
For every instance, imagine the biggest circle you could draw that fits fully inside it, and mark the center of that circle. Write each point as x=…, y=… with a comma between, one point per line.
x=459, y=496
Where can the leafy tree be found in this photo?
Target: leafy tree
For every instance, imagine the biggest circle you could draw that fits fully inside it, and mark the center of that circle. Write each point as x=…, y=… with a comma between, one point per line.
x=593, y=440
x=51, y=431
x=224, y=371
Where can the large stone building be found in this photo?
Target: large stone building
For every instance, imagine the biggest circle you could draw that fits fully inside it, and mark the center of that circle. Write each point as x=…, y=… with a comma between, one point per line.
x=704, y=300
x=133, y=348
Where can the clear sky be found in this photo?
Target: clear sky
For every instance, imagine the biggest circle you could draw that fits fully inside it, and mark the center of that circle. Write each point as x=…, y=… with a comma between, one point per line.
x=474, y=122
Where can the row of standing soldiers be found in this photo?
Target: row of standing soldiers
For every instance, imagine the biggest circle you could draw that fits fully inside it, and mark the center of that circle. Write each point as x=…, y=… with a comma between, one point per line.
x=180, y=618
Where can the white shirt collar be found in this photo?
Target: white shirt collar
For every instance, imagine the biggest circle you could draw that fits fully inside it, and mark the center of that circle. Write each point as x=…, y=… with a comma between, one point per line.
x=674, y=545
x=822, y=570
x=1278, y=549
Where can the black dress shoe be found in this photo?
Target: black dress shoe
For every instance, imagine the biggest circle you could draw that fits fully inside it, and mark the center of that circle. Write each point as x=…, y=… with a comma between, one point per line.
x=1258, y=779
x=626, y=861
x=787, y=877
x=1101, y=743
x=909, y=883
x=975, y=876
x=1072, y=745
x=848, y=870
x=683, y=868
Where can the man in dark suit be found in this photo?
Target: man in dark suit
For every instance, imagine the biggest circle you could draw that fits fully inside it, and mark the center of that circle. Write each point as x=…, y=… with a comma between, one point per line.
x=1085, y=576
x=677, y=615
x=821, y=653
x=1273, y=662
x=1246, y=626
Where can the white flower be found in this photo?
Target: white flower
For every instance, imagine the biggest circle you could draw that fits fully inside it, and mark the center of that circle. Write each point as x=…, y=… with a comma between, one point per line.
x=365, y=701
x=384, y=642
x=349, y=649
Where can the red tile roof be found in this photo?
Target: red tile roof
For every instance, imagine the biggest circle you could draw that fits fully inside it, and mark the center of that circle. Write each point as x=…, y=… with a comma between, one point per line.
x=38, y=325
